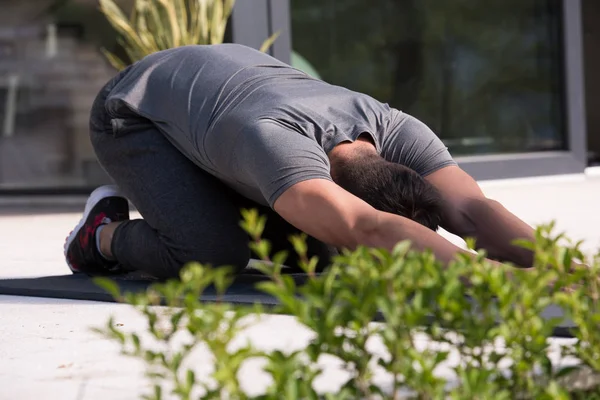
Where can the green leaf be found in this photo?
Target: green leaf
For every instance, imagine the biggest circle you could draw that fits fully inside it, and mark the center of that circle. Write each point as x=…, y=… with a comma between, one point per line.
x=546, y=363
x=115, y=61
x=402, y=248
x=109, y=286
x=299, y=244
x=280, y=257
x=525, y=244
x=261, y=248
x=222, y=279
x=157, y=392
x=264, y=268
x=120, y=22
x=471, y=243
x=269, y=42
x=252, y=223
x=311, y=267
x=292, y=389
x=556, y=392
x=190, y=379
x=136, y=342
x=174, y=24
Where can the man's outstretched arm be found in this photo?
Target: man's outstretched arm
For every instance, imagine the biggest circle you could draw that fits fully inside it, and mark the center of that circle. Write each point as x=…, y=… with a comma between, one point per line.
x=327, y=212
x=468, y=213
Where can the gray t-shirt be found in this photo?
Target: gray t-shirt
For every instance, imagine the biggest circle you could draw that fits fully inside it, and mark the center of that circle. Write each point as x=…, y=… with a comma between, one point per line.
x=257, y=124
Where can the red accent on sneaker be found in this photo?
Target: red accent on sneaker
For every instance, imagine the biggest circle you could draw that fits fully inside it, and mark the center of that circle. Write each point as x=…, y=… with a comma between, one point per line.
x=89, y=230
x=74, y=266
x=99, y=219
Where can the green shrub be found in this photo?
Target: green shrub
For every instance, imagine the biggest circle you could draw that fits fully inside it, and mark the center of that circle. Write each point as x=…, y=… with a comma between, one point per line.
x=493, y=324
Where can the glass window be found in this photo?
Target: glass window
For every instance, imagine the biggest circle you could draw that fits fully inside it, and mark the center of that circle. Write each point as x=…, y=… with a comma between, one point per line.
x=51, y=69
x=485, y=75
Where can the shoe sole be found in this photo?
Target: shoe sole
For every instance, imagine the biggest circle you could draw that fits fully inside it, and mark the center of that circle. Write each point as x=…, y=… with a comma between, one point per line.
x=97, y=195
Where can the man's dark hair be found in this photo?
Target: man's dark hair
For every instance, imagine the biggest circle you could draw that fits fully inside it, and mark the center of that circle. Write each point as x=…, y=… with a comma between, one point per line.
x=390, y=187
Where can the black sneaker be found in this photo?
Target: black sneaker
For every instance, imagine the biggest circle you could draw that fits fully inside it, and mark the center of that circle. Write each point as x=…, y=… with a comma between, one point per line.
x=105, y=205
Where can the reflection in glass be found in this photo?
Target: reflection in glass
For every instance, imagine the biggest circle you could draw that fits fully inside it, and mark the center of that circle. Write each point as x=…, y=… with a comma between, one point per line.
x=484, y=75
x=50, y=72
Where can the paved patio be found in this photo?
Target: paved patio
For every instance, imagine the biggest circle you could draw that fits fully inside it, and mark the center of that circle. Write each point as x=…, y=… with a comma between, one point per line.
x=48, y=351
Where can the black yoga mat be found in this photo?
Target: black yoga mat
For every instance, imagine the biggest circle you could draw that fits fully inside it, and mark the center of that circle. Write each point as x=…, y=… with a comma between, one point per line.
x=82, y=287
x=242, y=291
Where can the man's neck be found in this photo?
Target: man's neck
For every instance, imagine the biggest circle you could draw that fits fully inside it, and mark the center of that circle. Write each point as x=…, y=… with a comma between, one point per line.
x=347, y=151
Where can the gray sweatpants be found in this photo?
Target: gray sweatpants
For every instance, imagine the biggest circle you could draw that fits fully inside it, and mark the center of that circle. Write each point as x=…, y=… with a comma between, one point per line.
x=188, y=215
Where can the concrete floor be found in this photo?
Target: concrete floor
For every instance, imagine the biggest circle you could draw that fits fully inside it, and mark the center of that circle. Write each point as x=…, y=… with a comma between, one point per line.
x=48, y=351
